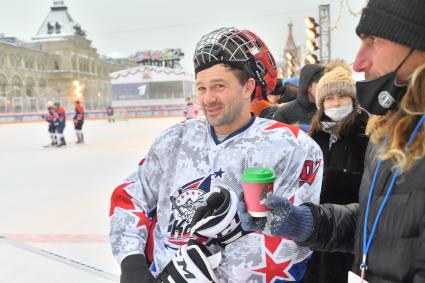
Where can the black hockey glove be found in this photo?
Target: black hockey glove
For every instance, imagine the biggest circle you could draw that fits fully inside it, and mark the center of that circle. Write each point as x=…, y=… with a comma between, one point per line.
x=135, y=270
x=218, y=218
x=192, y=263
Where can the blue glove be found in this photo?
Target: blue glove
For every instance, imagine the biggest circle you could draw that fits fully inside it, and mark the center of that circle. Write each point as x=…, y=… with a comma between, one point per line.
x=284, y=220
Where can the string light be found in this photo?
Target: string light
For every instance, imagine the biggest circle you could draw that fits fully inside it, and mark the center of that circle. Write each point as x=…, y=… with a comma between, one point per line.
x=350, y=10
x=353, y=13
x=339, y=17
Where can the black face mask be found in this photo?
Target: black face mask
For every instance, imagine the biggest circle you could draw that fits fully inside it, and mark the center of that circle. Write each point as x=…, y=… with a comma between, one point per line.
x=382, y=94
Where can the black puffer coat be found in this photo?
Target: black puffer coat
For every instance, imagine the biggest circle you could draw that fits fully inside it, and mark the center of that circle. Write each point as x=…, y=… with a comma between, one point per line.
x=343, y=168
x=397, y=253
x=301, y=110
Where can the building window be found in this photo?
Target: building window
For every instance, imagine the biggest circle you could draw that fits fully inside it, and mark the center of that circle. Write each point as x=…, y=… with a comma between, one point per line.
x=29, y=91
x=42, y=87
x=3, y=84
x=16, y=86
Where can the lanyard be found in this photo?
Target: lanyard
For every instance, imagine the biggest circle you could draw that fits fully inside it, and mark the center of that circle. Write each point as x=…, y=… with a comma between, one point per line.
x=367, y=242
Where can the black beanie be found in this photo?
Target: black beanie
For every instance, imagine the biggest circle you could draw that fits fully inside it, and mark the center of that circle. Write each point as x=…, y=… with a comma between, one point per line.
x=400, y=21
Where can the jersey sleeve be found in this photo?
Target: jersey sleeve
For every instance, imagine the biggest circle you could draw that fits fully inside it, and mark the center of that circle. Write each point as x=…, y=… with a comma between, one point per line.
x=132, y=210
x=301, y=170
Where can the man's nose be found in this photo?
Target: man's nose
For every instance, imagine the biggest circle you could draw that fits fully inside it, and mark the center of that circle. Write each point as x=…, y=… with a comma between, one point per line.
x=209, y=97
x=363, y=62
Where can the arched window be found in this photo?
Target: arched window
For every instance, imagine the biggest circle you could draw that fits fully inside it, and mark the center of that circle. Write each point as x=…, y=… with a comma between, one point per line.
x=16, y=86
x=3, y=85
x=29, y=90
x=42, y=87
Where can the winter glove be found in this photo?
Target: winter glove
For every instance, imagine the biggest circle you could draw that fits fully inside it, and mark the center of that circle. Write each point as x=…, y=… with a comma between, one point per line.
x=284, y=220
x=135, y=270
x=192, y=263
x=218, y=218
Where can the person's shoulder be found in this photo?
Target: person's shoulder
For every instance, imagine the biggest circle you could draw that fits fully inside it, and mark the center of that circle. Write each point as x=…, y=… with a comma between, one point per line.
x=277, y=128
x=288, y=137
x=284, y=109
x=188, y=127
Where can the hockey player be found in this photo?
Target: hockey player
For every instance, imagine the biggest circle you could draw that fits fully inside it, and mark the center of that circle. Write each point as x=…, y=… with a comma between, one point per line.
x=50, y=117
x=190, y=110
x=197, y=164
x=110, y=113
x=79, y=121
x=60, y=123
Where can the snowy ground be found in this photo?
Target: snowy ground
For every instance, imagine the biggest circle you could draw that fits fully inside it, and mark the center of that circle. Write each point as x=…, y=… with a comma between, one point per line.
x=57, y=199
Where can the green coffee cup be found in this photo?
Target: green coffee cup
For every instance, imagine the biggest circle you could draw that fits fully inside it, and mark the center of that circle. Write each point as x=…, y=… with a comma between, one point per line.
x=258, y=175
x=257, y=184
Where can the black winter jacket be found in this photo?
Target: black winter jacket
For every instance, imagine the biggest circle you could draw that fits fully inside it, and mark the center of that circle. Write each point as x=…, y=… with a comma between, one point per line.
x=342, y=173
x=397, y=253
x=300, y=110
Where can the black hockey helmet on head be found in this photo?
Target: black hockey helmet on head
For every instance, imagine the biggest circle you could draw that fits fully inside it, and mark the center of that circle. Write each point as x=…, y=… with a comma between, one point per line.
x=240, y=49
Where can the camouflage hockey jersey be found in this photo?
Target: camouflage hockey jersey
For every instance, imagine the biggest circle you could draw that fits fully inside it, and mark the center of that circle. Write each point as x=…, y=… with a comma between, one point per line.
x=151, y=211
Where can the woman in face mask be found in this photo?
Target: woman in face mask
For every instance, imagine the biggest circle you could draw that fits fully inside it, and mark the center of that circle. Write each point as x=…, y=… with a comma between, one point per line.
x=339, y=128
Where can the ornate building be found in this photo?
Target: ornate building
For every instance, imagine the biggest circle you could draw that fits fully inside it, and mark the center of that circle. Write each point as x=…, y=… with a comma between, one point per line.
x=31, y=73
x=292, y=49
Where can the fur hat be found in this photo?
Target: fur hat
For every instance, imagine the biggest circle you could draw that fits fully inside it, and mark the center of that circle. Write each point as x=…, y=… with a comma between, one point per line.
x=337, y=79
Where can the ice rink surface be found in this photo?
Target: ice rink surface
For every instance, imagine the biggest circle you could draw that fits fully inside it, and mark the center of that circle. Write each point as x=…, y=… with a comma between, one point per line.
x=57, y=199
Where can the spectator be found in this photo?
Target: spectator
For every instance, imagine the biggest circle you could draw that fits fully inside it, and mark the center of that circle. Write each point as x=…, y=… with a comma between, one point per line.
x=302, y=109
x=265, y=83
x=285, y=91
x=338, y=127
x=385, y=230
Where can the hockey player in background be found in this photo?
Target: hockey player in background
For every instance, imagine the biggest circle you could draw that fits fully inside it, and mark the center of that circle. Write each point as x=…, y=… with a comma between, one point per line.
x=190, y=164
x=110, y=113
x=60, y=122
x=79, y=121
x=50, y=118
x=190, y=110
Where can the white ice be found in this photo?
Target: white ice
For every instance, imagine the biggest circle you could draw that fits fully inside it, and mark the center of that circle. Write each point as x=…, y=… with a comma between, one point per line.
x=57, y=199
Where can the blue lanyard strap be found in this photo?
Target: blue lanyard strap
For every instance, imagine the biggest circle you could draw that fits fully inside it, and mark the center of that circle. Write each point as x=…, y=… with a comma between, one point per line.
x=367, y=242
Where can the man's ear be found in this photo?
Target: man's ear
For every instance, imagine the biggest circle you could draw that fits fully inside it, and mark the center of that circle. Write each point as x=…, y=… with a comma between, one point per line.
x=249, y=88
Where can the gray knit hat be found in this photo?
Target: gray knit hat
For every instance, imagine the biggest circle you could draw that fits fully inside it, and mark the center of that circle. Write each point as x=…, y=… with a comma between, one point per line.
x=401, y=21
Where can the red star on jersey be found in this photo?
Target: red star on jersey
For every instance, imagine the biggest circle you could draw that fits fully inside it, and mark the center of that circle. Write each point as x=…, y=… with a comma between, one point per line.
x=292, y=128
x=120, y=198
x=143, y=220
x=273, y=268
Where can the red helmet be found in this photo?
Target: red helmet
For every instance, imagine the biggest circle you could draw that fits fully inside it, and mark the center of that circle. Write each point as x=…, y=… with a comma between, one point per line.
x=241, y=49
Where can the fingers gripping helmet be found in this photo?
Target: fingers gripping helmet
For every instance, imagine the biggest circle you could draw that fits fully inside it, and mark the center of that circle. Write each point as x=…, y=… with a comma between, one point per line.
x=241, y=49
